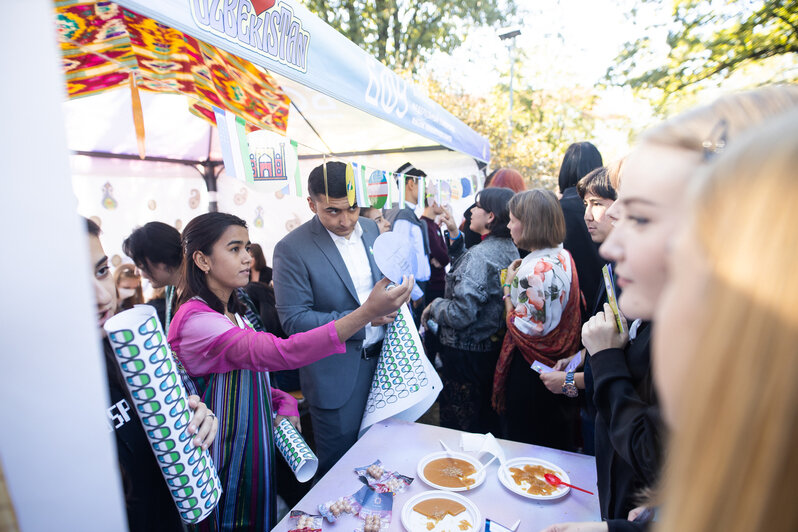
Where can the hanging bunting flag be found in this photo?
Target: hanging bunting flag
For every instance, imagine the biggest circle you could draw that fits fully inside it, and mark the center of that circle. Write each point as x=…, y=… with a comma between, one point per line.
x=361, y=192
x=445, y=192
x=389, y=179
x=296, y=184
x=267, y=156
x=456, y=186
x=438, y=192
x=465, y=182
x=431, y=191
x=364, y=186
x=422, y=190
x=378, y=189
x=400, y=184
x=350, y=185
x=233, y=141
x=274, y=162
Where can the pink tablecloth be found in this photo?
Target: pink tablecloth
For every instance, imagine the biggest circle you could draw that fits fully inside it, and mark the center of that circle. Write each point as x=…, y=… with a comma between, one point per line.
x=400, y=445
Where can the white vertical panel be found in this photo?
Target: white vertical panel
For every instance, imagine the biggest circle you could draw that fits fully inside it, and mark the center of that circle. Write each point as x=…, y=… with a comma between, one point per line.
x=57, y=453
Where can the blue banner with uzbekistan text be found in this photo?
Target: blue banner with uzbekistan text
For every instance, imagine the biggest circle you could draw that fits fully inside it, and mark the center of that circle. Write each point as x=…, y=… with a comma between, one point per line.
x=282, y=36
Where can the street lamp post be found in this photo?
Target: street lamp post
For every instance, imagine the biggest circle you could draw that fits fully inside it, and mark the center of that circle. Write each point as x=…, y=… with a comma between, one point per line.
x=505, y=35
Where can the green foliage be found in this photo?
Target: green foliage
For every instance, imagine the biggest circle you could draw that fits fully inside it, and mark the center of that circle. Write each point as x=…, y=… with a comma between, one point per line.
x=400, y=33
x=545, y=122
x=710, y=40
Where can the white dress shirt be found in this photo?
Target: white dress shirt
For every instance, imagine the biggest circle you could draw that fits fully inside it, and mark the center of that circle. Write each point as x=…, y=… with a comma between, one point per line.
x=353, y=251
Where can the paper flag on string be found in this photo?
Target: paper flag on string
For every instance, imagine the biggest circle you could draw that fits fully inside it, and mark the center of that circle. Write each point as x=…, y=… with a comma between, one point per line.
x=444, y=192
x=361, y=183
x=233, y=141
x=429, y=194
x=466, y=186
x=274, y=162
x=400, y=184
x=351, y=193
x=295, y=184
x=377, y=189
x=389, y=178
x=457, y=188
x=422, y=190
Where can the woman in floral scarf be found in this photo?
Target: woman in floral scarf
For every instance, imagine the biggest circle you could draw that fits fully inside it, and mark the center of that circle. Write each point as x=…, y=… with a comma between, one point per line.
x=541, y=297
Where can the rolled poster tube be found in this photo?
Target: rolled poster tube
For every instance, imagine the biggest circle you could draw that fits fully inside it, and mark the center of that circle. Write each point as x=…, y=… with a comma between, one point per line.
x=161, y=401
x=296, y=452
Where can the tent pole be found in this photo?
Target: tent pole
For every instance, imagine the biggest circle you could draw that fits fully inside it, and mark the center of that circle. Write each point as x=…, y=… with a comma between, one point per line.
x=209, y=175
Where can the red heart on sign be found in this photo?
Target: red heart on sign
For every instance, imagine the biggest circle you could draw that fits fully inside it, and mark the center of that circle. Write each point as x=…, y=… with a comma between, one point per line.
x=262, y=5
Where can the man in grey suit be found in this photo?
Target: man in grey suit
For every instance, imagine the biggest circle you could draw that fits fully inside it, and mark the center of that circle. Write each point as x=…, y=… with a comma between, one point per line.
x=323, y=270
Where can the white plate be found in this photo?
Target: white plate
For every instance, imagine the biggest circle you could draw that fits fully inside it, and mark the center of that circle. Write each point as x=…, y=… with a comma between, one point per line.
x=479, y=479
x=506, y=478
x=415, y=522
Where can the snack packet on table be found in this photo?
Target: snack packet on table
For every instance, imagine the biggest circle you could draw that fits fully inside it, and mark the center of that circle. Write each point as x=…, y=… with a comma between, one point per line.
x=306, y=522
x=382, y=480
x=373, y=523
x=370, y=503
x=396, y=483
x=331, y=510
x=373, y=473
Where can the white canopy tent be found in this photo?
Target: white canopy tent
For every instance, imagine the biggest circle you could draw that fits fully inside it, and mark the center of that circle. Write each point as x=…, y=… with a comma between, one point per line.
x=345, y=105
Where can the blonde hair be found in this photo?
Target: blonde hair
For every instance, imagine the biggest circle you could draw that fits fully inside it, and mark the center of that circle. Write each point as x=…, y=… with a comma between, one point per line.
x=707, y=129
x=734, y=455
x=614, y=172
x=128, y=271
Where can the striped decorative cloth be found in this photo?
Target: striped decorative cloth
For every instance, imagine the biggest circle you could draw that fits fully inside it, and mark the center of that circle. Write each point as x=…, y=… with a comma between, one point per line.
x=243, y=453
x=103, y=43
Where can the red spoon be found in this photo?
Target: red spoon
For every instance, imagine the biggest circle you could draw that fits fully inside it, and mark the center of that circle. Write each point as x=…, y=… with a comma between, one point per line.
x=554, y=480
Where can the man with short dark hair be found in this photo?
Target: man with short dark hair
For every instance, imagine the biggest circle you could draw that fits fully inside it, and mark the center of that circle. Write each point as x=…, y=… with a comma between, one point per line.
x=597, y=194
x=323, y=270
x=405, y=222
x=157, y=251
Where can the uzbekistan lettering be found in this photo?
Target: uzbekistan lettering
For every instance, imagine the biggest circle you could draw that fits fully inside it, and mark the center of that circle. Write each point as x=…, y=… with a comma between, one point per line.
x=275, y=32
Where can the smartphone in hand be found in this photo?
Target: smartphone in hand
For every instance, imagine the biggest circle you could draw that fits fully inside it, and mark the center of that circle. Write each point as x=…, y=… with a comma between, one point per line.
x=609, y=284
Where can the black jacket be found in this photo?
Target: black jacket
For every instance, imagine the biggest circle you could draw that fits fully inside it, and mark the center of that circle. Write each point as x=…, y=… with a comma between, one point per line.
x=628, y=425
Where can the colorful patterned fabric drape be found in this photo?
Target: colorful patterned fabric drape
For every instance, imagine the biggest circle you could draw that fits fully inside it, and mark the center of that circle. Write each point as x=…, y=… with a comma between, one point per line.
x=102, y=43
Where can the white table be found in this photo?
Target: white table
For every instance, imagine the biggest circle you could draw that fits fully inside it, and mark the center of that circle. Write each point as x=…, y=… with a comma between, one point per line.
x=400, y=445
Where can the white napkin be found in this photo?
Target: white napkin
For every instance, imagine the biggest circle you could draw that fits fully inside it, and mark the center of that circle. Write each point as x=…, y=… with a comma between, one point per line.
x=482, y=443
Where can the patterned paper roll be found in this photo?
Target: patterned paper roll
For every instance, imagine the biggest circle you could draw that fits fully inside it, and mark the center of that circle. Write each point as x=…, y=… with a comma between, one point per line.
x=295, y=451
x=161, y=401
x=405, y=384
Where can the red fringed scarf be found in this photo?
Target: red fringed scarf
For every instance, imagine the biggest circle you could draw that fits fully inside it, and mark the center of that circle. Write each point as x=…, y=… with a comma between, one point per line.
x=560, y=342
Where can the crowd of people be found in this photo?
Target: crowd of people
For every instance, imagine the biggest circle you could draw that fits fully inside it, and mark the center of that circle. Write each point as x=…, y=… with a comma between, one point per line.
x=690, y=429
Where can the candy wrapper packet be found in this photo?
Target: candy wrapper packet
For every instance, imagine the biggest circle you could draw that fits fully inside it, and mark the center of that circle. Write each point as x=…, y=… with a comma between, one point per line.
x=376, y=509
x=373, y=523
x=332, y=510
x=305, y=522
x=381, y=480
